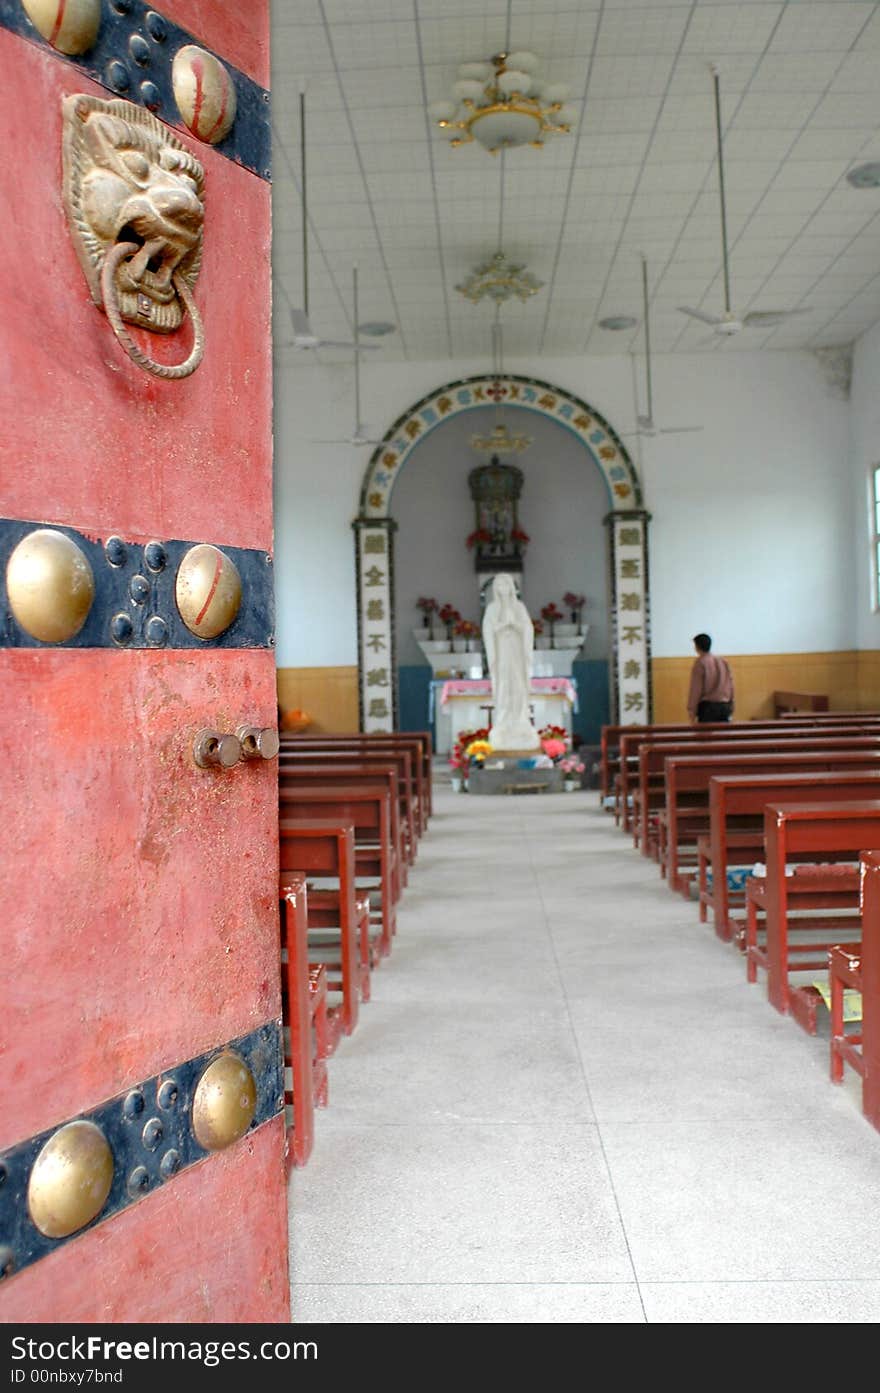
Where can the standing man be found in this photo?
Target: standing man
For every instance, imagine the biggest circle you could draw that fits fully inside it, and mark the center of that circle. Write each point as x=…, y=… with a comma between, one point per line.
x=710, y=697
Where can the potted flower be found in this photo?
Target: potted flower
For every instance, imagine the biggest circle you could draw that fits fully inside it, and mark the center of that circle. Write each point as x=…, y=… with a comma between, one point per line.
x=575, y=604
x=466, y=635
x=572, y=768
x=554, y=741
x=520, y=539
x=428, y=609
x=541, y=641
x=479, y=537
x=552, y=615
x=449, y=616
x=477, y=751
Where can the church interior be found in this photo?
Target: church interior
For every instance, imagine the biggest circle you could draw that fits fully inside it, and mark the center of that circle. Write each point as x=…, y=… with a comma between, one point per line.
x=547, y=338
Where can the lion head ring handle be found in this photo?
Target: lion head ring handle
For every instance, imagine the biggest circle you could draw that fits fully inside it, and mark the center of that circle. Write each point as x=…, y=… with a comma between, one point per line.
x=117, y=254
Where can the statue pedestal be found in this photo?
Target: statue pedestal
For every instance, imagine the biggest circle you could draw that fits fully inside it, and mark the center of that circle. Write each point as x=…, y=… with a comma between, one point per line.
x=509, y=778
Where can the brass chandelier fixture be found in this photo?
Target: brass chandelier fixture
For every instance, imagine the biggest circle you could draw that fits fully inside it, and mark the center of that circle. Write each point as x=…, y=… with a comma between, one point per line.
x=501, y=105
x=499, y=279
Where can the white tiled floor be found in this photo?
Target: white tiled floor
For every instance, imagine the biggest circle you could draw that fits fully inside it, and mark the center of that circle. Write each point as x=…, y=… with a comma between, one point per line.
x=565, y=1104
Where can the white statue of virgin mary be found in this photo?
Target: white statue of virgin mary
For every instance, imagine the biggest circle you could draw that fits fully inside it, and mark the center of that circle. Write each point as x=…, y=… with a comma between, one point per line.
x=509, y=637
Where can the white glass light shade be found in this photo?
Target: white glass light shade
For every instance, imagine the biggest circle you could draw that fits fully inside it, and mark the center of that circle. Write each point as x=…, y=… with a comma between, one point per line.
x=498, y=130
x=442, y=111
x=468, y=89
x=522, y=60
x=556, y=92
x=513, y=81
x=565, y=116
x=479, y=71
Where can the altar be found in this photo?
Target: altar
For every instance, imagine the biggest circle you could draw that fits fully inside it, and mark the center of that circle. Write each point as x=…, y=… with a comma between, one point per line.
x=463, y=704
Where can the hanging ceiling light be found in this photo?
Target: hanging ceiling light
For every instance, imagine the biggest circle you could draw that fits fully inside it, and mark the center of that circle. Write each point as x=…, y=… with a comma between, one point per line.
x=499, y=441
x=499, y=279
x=502, y=105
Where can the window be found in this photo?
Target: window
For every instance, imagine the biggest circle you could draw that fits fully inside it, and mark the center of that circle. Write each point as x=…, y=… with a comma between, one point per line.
x=875, y=536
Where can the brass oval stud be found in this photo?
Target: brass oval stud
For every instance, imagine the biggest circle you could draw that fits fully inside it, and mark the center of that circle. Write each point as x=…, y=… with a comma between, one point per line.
x=204, y=92
x=50, y=585
x=207, y=590
x=70, y=1179
x=70, y=26
x=224, y=1102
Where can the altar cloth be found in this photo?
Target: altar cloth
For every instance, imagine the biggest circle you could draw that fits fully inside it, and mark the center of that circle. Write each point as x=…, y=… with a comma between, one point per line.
x=540, y=686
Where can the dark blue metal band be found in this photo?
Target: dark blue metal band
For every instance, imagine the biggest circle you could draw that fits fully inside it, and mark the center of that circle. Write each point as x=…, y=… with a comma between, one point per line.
x=125, y=570
x=149, y=1131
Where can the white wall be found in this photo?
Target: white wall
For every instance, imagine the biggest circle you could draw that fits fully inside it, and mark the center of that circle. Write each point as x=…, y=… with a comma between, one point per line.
x=865, y=449
x=752, y=526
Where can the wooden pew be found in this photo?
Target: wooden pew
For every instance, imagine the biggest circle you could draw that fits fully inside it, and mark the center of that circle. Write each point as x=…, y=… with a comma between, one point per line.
x=420, y=740
x=402, y=759
x=342, y=775
x=821, y=899
x=739, y=789
x=324, y=848
x=795, y=703
x=367, y=806
x=686, y=814
x=861, y=971
x=317, y=746
x=836, y=832
x=304, y=1015
x=650, y=794
x=609, y=760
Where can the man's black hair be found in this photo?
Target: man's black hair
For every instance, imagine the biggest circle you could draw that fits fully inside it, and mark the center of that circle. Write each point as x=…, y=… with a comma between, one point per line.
x=703, y=642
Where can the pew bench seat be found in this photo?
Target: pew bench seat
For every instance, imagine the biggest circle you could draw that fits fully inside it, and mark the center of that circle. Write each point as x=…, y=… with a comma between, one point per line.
x=823, y=905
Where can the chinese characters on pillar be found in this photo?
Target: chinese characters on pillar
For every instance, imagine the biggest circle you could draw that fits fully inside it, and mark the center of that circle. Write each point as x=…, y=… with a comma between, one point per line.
x=631, y=620
x=377, y=701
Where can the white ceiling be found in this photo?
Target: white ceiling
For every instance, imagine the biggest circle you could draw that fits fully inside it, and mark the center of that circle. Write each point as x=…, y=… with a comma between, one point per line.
x=801, y=106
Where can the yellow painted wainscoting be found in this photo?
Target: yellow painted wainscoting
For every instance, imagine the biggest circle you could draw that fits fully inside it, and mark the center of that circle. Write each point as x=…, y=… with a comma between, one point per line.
x=850, y=680
x=328, y=694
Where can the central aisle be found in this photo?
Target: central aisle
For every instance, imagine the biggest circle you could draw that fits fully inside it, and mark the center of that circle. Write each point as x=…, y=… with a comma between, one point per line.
x=565, y=1104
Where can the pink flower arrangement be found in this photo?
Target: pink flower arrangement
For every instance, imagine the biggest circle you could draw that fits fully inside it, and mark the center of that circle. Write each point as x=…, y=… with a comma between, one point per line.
x=554, y=748
x=571, y=766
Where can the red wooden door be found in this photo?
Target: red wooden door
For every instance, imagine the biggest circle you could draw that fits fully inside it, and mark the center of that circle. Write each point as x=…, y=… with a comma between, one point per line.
x=142, y=1131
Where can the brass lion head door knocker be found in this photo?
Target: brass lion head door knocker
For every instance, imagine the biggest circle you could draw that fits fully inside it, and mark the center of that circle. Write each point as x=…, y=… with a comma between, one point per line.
x=135, y=202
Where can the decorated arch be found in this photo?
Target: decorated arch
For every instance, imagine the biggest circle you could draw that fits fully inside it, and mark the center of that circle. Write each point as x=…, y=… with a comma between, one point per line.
x=626, y=526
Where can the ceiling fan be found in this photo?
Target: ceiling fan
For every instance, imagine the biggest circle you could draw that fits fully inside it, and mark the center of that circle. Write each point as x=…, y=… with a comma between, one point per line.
x=359, y=435
x=646, y=424
x=728, y=322
x=303, y=334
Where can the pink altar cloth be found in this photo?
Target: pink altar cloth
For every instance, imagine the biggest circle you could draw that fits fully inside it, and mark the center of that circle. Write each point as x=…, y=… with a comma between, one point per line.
x=541, y=686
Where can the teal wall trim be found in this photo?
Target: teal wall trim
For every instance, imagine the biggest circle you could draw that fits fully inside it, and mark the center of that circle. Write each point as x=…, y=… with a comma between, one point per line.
x=594, y=706
x=414, y=684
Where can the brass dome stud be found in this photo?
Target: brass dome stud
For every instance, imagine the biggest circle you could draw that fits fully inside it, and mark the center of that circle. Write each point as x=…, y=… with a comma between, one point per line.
x=70, y=1179
x=224, y=1103
x=207, y=590
x=50, y=585
x=204, y=92
x=70, y=26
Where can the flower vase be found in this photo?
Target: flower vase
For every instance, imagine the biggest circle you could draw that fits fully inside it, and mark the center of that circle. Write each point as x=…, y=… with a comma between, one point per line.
x=457, y=783
x=570, y=785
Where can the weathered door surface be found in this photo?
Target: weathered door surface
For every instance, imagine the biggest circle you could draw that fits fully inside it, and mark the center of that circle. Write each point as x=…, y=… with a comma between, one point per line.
x=141, y=1132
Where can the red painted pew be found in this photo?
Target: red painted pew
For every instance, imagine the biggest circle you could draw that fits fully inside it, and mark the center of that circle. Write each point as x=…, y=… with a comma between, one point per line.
x=304, y=1014
x=861, y=971
x=366, y=805
x=366, y=774
x=325, y=849
x=838, y=833
x=739, y=790
x=401, y=759
x=651, y=793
